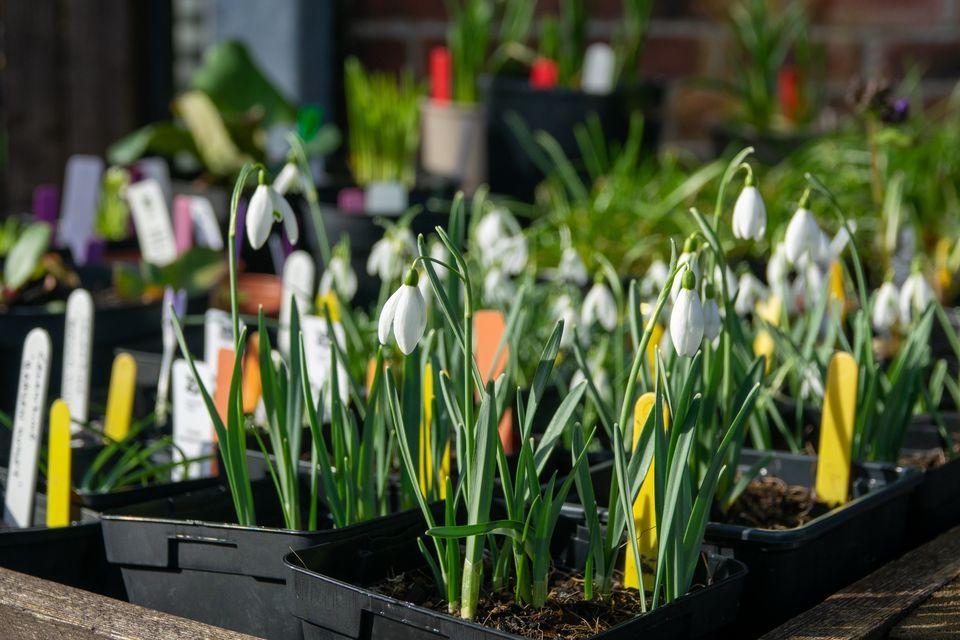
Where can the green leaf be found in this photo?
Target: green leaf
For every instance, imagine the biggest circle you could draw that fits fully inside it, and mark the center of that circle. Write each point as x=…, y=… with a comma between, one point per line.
x=24, y=257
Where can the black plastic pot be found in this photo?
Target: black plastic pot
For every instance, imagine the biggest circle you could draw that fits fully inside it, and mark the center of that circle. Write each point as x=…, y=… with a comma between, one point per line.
x=935, y=506
x=769, y=148
x=557, y=111
x=791, y=570
x=185, y=556
x=328, y=595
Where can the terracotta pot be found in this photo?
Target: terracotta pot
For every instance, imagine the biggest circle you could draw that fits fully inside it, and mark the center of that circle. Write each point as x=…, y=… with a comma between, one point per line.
x=454, y=142
x=256, y=289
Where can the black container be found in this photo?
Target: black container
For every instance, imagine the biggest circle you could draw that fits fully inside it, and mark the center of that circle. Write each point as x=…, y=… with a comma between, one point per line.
x=557, y=111
x=327, y=594
x=769, y=148
x=213, y=570
x=791, y=570
x=935, y=505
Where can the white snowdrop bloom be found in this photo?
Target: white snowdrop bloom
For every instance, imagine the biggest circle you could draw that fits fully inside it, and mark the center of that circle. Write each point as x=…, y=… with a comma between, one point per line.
x=688, y=258
x=404, y=315
x=511, y=254
x=915, y=296
x=389, y=253
x=731, y=282
x=563, y=310
x=266, y=207
x=288, y=179
x=803, y=236
x=572, y=268
x=749, y=290
x=340, y=276
x=886, y=307
x=600, y=307
x=778, y=269
x=600, y=380
x=711, y=318
x=686, y=320
x=498, y=288
x=654, y=279
x=494, y=226
x=749, y=214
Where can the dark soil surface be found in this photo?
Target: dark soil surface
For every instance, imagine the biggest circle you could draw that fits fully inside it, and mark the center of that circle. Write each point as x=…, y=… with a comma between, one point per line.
x=770, y=503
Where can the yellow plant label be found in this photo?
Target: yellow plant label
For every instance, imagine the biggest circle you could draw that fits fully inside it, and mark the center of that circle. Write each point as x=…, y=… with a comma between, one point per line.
x=123, y=381
x=426, y=453
x=655, y=337
x=644, y=507
x=836, y=430
x=328, y=303
x=837, y=292
x=58, y=466
x=763, y=346
x=769, y=310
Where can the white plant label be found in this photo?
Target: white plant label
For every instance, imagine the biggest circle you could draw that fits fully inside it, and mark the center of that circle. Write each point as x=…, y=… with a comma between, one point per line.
x=152, y=220
x=27, y=429
x=217, y=335
x=385, y=198
x=81, y=194
x=599, y=67
x=318, y=350
x=206, y=228
x=299, y=274
x=77, y=352
x=192, y=427
x=154, y=168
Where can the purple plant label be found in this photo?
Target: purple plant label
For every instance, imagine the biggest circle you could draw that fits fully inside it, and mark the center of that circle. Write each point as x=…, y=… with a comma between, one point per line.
x=182, y=223
x=27, y=429
x=77, y=353
x=152, y=220
x=350, y=200
x=81, y=195
x=46, y=199
x=192, y=426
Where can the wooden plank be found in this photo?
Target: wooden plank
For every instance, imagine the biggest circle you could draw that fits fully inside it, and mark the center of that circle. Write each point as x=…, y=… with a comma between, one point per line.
x=871, y=607
x=936, y=619
x=35, y=609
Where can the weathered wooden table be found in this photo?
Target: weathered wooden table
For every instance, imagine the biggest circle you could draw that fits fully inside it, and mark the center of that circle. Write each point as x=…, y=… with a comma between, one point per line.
x=34, y=609
x=916, y=597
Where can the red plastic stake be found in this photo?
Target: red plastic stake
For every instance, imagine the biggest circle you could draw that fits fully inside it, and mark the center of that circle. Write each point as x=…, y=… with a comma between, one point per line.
x=440, y=75
x=543, y=74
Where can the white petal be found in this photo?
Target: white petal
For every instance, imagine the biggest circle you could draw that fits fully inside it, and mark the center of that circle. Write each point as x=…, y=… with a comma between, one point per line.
x=686, y=323
x=749, y=215
x=281, y=205
x=259, y=217
x=885, y=307
x=287, y=179
x=711, y=319
x=803, y=236
x=410, y=320
x=378, y=255
x=387, y=314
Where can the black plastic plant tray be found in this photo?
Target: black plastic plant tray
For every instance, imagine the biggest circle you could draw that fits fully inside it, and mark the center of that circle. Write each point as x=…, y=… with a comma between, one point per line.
x=935, y=506
x=327, y=593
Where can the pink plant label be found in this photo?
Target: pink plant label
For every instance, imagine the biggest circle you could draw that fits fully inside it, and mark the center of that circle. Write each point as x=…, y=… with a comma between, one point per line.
x=182, y=223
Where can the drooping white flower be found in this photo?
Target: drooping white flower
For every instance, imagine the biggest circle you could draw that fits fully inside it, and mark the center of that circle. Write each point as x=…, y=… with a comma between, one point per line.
x=915, y=296
x=599, y=307
x=500, y=242
x=711, y=315
x=572, y=268
x=807, y=287
x=749, y=291
x=688, y=258
x=600, y=380
x=288, y=179
x=511, y=253
x=778, y=269
x=563, y=310
x=494, y=226
x=389, y=253
x=339, y=276
x=404, y=315
x=266, y=207
x=749, y=214
x=686, y=320
x=654, y=279
x=498, y=288
x=886, y=307
x=803, y=236
x=731, y=282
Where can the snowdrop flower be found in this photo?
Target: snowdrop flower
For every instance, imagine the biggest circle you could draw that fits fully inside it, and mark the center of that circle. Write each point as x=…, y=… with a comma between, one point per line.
x=686, y=321
x=501, y=242
x=498, y=288
x=511, y=253
x=731, y=281
x=563, y=310
x=572, y=268
x=654, y=279
x=494, y=226
x=711, y=315
x=808, y=286
x=803, y=234
x=404, y=315
x=915, y=295
x=886, y=307
x=600, y=307
x=388, y=254
x=288, y=179
x=339, y=276
x=749, y=290
x=777, y=269
x=688, y=258
x=266, y=207
x=600, y=380
x=749, y=213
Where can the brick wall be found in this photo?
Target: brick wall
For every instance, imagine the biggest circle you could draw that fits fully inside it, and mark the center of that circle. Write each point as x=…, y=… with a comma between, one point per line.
x=688, y=40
